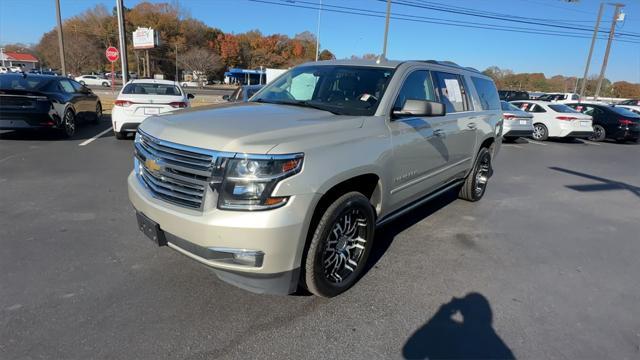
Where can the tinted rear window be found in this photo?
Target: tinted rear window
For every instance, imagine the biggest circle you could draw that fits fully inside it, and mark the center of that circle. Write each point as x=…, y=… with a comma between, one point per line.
x=151, y=89
x=624, y=112
x=22, y=83
x=562, y=108
x=509, y=107
x=487, y=92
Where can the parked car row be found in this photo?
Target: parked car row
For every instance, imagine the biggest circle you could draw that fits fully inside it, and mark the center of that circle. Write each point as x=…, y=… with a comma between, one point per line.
x=593, y=121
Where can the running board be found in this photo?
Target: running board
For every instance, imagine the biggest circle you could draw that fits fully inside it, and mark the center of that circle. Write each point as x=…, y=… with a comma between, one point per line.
x=394, y=215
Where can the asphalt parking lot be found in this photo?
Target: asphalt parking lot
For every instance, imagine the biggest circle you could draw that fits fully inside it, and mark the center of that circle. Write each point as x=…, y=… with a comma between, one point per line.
x=545, y=266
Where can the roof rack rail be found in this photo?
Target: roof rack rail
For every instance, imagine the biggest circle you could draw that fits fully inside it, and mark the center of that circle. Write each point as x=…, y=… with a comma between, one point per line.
x=449, y=63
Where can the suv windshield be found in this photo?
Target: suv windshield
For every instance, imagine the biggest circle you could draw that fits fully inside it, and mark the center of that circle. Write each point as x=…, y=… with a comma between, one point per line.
x=342, y=90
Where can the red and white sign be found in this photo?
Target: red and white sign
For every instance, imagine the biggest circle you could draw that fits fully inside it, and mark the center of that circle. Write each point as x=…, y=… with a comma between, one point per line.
x=112, y=54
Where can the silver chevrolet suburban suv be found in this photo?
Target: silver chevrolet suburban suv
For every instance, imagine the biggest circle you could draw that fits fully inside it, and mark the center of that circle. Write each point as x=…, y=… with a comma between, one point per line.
x=285, y=192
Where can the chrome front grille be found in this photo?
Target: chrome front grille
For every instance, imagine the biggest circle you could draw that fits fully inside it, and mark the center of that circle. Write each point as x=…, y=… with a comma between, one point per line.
x=177, y=173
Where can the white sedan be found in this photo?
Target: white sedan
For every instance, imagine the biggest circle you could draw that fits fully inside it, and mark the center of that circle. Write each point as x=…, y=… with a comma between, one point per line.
x=140, y=99
x=93, y=80
x=556, y=120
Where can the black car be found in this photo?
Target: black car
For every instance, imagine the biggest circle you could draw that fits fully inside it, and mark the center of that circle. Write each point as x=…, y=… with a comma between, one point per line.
x=41, y=101
x=512, y=95
x=243, y=93
x=611, y=122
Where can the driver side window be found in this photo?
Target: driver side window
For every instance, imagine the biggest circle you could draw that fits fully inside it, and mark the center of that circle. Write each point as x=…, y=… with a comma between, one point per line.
x=417, y=86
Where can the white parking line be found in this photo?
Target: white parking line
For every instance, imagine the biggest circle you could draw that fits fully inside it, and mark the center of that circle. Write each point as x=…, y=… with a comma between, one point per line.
x=535, y=142
x=591, y=142
x=512, y=145
x=88, y=141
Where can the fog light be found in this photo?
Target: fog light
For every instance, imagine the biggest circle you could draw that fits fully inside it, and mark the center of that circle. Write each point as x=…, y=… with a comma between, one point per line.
x=253, y=258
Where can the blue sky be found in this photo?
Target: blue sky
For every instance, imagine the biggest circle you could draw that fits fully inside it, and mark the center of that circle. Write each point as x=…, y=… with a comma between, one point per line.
x=346, y=34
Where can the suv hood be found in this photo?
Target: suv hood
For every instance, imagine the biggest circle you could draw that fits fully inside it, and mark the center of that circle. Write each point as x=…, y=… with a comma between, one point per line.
x=246, y=127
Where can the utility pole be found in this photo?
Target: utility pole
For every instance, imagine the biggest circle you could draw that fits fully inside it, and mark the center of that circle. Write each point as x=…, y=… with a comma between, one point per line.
x=317, y=33
x=616, y=13
x=593, y=42
x=386, y=30
x=60, y=39
x=177, y=79
x=123, y=41
x=2, y=56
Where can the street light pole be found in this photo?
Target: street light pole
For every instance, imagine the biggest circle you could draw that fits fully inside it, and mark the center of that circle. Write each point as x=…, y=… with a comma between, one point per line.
x=593, y=42
x=2, y=56
x=60, y=39
x=386, y=30
x=318, y=33
x=123, y=41
x=616, y=13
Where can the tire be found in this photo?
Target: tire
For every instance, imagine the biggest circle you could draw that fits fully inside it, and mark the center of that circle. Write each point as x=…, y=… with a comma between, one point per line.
x=509, y=139
x=475, y=184
x=345, y=234
x=599, y=133
x=540, y=132
x=120, y=135
x=97, y=117
x=69, y=124
x=105, y=84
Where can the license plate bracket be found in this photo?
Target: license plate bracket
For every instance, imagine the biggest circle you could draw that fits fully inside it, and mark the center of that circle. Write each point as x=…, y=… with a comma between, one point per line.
x=151, y=111
x=151, y=229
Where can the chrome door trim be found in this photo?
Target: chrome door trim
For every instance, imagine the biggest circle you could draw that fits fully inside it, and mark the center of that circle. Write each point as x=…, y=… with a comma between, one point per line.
x=432, y=174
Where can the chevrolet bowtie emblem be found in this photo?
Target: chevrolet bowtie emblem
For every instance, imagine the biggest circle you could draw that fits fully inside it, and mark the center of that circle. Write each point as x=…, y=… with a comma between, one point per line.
x=152, y=165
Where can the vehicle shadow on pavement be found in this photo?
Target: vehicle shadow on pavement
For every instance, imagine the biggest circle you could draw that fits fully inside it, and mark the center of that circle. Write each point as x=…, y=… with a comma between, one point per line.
x=461, y=329
x=602, y=184
x=386, y=233
x=85, y=130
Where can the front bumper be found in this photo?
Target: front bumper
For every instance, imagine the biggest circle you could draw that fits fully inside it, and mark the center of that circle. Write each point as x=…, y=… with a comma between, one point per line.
x=205, y=236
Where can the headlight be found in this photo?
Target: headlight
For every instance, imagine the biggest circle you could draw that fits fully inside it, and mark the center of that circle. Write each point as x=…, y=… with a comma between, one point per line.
x=250, y=180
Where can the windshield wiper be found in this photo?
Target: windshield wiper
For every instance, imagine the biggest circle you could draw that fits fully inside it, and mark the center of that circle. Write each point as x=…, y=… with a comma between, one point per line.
x=302, y=103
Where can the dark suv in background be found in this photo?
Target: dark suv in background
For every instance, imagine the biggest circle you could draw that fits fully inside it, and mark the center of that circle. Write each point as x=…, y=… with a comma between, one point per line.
x=512, y=95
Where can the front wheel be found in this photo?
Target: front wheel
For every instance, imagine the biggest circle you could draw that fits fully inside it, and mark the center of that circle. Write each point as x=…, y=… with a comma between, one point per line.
x=599, y=133
x=540, y=132
x=340, y=246
x=98, y=115
x=120, y=135
x=476, y=182
x=105, y=84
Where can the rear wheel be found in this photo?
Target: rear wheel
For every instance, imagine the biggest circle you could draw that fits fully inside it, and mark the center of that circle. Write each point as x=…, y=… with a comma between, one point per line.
x=105, y=84
x=82, y=82
x=599, y=133
x=476, y=182
x=68, y=124
x=340, y=245
x=120, y=135
x=540, y=132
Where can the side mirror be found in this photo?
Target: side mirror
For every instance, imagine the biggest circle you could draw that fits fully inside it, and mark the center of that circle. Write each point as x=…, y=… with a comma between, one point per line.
x=225, y=97
x=191, y=96
x=420, y=108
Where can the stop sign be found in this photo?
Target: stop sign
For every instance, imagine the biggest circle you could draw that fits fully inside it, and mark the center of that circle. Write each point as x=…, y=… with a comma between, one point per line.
x=112, y=54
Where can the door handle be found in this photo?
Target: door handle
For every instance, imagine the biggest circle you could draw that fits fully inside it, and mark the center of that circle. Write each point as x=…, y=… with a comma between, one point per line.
x=472, y=125
x=438, y=132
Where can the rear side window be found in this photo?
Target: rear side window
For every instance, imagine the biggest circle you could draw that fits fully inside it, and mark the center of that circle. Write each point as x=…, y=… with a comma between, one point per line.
x=151, y=89
x=417, y=86
x=67, y=87
x=452, y=92
x=486, y=89
x=562, y=108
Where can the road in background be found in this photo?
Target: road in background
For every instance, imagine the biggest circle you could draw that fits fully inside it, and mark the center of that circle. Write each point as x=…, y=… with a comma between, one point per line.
x=545, y=266
x=193, y=90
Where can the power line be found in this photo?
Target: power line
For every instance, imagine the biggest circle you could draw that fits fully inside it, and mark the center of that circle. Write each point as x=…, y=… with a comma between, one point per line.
x=501, y=17
x=421, y=19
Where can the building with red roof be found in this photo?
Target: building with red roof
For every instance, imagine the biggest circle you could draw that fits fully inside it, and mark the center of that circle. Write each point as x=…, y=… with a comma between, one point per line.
x=23, y=60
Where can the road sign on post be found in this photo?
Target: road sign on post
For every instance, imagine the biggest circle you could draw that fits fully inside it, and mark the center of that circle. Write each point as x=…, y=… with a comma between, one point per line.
x=113, y=55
